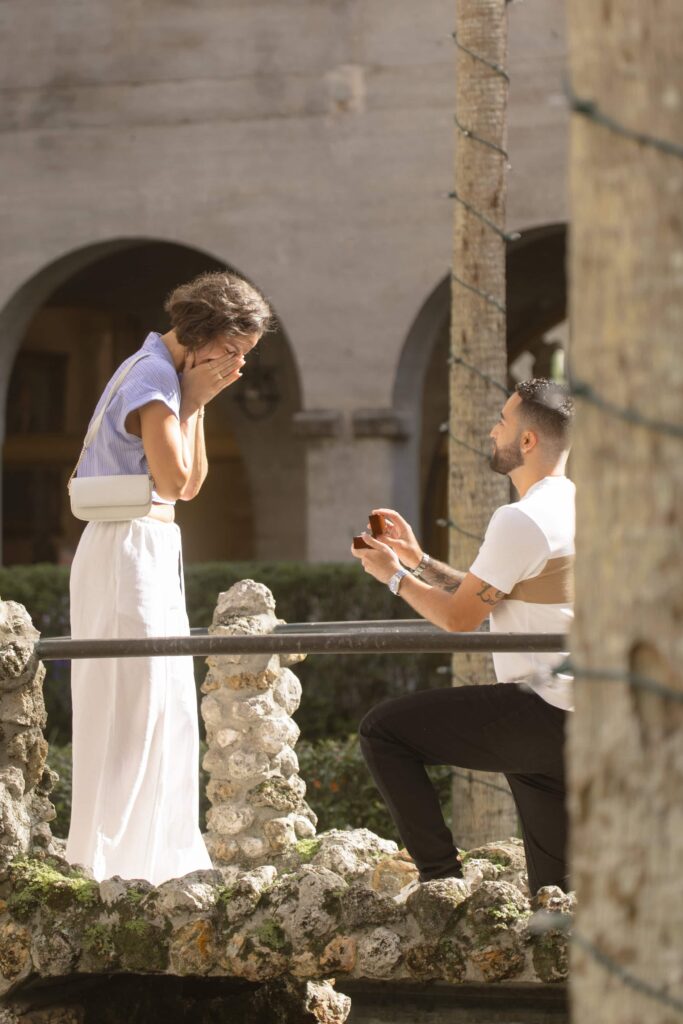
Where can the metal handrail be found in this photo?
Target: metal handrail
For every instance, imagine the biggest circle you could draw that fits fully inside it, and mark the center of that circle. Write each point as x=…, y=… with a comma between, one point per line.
x=381, y=636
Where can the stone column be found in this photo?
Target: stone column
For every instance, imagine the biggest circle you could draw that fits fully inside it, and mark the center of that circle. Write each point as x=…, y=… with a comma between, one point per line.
x=258, y=810
x=25, y=779
x=350, y=460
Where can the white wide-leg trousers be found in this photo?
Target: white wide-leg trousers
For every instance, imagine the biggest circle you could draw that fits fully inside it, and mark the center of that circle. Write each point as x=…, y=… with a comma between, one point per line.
x=135, y=801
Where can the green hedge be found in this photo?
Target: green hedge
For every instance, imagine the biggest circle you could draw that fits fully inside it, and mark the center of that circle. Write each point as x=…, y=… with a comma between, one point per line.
x=337, y=690
x=339, y=787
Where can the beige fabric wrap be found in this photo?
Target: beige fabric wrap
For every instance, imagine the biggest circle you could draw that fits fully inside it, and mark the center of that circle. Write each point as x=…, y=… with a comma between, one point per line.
x=553, y=585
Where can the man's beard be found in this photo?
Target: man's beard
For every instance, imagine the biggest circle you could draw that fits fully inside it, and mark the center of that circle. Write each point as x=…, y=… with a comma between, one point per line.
x=504, y=460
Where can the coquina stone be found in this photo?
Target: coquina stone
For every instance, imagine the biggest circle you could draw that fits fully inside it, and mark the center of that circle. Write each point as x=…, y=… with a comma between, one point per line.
x=279, y=793
x=222, y=849
x=246, y=598
x=493, y=924
x=351, y=853
x=229, y=819
x=393, y=873
x=25, y=782
x=280, y=833
x=53, y=954
x=286, y=762
x=379, y=953
x=435, y=905
x=17, y=639
x=254, y=848
x=304, y=827
x=308, y=905
x=502, y=861
x=246, y=765
x=15, y=957
x=276, y=733
x=287, y=691
x=253, y=709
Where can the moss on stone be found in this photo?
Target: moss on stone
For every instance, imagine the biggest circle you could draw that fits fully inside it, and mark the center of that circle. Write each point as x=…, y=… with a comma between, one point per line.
x=224, y=894
x=141, y=945
x=450, y=958
x=37, y=884
x=501, y=860
x=505, y=914
x=135, y=896
x=307, y=849
x=98, y=940
x=276, y=793
x=551, y=956
x=270, y=934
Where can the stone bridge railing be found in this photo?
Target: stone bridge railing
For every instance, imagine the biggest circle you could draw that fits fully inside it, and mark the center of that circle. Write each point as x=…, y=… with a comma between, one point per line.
x=284, y=907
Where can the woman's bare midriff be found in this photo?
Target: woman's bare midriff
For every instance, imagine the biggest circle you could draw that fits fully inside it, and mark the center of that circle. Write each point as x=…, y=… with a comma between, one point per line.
x=161, y=513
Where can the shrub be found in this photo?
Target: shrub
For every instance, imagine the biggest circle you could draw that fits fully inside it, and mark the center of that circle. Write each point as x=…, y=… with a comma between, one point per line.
x=341, y=791
x=59, y=759
x=337, y=690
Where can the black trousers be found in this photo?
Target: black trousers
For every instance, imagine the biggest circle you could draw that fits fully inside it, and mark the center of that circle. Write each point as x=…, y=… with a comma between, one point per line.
x=501, y=728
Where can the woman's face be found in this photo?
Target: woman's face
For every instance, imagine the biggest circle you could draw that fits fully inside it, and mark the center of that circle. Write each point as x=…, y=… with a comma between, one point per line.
x=236, y=344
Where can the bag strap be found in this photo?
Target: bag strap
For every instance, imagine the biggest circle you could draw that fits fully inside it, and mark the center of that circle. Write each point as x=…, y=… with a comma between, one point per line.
x=97, y=422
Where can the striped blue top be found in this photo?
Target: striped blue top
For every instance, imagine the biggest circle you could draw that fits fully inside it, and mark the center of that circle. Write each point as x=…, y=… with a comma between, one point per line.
x=113, y=451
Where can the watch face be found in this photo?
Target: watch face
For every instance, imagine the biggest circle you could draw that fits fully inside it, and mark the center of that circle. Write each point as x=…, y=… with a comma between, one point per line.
x=395, y=581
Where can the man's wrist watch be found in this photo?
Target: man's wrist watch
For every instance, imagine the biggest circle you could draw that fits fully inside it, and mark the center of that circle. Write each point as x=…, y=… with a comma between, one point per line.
x=421, y=565
x=395, y=581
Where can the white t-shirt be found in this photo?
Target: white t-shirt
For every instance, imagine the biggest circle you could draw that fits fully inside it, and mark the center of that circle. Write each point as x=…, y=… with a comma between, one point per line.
x=528, y=554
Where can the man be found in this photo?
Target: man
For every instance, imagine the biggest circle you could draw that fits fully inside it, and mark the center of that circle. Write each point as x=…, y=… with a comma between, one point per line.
x=522, y=578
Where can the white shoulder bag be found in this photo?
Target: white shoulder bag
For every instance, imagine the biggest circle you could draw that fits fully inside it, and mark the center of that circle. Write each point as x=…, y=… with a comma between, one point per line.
x=109, y=498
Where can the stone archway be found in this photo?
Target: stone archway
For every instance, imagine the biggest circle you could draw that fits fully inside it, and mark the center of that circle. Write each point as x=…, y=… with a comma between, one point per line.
x=64, y=333
x=536, y=329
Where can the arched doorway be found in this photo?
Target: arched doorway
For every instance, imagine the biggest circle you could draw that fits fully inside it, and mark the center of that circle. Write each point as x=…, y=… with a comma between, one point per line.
x=536, y=333
x=70, y=327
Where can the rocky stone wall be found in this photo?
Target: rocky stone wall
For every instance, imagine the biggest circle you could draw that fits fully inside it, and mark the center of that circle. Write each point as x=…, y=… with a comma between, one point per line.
x=339, y=907
x=25, y=779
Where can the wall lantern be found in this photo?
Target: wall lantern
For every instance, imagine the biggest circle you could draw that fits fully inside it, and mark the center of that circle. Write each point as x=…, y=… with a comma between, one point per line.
x=257, y=393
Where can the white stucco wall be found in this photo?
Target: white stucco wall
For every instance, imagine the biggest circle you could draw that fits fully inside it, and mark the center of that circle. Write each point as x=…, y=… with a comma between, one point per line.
x=306, y=142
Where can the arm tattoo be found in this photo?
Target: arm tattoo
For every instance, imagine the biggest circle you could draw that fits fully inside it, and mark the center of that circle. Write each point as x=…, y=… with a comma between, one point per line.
x=490, y=595
x=437, y=574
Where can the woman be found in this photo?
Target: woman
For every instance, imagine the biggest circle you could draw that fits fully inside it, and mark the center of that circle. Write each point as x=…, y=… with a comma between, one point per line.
x=135, y=731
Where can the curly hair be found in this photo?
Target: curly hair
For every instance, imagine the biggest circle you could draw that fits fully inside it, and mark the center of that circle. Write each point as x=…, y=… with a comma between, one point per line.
x=548, y=408
x=216, y=304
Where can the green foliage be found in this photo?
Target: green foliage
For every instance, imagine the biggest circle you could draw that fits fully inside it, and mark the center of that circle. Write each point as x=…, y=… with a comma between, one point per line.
x=341, y=791
x=59, y=759
x=337, y=690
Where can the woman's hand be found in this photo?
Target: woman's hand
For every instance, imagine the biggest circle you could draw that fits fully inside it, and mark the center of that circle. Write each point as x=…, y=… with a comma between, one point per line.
x=399, y=537
x=203, y=381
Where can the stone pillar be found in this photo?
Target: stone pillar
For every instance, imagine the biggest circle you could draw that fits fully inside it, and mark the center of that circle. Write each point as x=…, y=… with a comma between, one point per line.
x=350, y=460
x=258, y=810
x=25, y=779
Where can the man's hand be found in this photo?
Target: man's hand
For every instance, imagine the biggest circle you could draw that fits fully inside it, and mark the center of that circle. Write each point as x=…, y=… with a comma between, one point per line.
x=378, y=559
x=400, y=537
